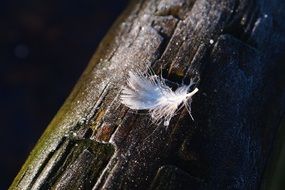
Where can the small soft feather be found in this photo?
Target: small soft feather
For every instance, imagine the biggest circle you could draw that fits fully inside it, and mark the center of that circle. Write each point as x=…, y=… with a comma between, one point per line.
x=149, y=92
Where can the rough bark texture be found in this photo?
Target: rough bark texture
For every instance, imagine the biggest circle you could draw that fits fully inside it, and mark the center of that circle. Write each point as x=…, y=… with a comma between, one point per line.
x=233, y=46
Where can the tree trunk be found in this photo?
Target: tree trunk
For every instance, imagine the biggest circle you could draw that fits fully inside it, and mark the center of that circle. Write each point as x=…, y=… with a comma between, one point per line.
x=235, y=49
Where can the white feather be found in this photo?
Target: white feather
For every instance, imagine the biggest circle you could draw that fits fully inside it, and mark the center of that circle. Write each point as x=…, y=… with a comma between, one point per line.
x=149, y=92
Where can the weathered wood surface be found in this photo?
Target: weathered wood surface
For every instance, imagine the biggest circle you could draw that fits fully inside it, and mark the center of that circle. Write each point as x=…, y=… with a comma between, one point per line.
x=235, y=48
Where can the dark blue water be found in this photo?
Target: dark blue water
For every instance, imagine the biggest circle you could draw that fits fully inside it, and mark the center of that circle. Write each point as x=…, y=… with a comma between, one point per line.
x=44, y=47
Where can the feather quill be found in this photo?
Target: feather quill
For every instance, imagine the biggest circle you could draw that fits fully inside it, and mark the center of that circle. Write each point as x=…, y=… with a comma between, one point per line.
x=150, y=92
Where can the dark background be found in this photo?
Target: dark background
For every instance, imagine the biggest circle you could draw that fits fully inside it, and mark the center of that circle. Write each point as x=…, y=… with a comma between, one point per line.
x=44, y=47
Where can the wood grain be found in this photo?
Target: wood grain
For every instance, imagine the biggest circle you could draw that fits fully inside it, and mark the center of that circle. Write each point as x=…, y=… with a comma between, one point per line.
x=233, y=47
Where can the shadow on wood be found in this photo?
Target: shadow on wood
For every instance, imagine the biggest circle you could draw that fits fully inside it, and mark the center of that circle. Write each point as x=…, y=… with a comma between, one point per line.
x=234, y=47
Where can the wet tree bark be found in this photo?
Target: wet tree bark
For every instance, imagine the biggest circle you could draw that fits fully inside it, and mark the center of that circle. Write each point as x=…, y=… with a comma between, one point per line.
x=235, y=49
